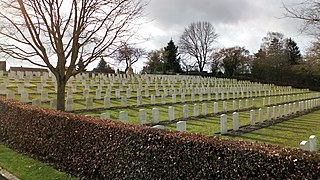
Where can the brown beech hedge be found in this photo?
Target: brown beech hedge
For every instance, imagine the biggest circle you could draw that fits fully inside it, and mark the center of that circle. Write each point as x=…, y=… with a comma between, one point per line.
x=92, y=148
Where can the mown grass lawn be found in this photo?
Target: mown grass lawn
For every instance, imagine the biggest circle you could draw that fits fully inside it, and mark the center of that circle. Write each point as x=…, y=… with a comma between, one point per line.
x=288, y=133
x=26, y=168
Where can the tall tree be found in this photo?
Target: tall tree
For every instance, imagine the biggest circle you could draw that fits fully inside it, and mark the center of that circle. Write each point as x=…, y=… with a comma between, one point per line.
x=292, y=51
x=65, y=36
x=197, y=41
x=129, y=55
x=233, y=60
x=154, y=63
x=171, y=59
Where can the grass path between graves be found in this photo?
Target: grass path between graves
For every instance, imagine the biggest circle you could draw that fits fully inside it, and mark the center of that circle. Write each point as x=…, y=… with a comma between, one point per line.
x=26, y=168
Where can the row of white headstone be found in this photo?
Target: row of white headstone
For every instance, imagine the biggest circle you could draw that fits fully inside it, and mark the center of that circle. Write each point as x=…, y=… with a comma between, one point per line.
x=272, y=114
x=139, y=102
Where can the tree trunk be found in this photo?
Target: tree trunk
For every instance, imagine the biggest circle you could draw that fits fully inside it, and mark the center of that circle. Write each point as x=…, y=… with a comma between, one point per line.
x=61, y=85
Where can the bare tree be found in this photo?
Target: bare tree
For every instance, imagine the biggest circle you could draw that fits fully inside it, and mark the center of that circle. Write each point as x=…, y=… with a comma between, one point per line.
x=129, y=55
x=65, y=36
x=197, y=40
x=308, y=12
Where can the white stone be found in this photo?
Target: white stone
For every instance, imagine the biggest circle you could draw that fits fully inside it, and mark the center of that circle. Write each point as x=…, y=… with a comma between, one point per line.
x=124, y=101
x=313, y=143
x=185, y=111
x=223, y=124
x=107, y=102
x=174, y=98
x=285, y=108
x=304, y=145
x=195, y=110
x=252, y=118
x=153, y=99
x=69, y=106
x=24, y=96
x=240, y=105
x=234, y=104
x=44, y=96
x=89, y=103
x=139, y=100
x=216, y=107
x=235, y=121
x=261, y=116
x=182, y=126
x=254, y=103
x=280, y=111
x=225, y=106
x=171, y=113
x=123, y=116
x=105, y=115
x=274, y=112
x=247, y=103
x=155, y=115
x=98, y=94
x=143, y=116
x=163, y=99
x=204, y=109
x=183, y=98
x=158, y=126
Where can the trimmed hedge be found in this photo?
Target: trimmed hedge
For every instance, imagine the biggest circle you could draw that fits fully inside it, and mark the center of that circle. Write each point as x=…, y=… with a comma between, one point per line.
x=93, y=148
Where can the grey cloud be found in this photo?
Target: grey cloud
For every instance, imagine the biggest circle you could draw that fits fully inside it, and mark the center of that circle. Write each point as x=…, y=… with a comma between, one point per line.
x=176, y=13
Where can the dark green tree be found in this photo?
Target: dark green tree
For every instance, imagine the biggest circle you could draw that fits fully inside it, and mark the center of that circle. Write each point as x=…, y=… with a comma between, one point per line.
x=103, y=67
x=293, y=52
x=171, y=60
x=154, y=65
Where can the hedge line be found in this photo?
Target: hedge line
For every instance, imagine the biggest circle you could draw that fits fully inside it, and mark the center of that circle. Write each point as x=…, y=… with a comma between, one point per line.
x=92, y=148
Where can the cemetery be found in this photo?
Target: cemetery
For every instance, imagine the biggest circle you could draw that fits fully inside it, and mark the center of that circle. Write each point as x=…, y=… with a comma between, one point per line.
x=128, y=123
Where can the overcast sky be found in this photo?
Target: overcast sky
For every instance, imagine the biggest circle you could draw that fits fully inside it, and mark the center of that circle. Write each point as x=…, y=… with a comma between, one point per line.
x=237, y=22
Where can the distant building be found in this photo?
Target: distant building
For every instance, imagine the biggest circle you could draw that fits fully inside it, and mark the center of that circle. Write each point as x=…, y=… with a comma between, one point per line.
x=24, y=69
x=3, y=66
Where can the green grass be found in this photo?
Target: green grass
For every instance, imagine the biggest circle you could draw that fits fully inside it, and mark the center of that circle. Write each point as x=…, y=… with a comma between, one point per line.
x=27, y=168
x=288, y=133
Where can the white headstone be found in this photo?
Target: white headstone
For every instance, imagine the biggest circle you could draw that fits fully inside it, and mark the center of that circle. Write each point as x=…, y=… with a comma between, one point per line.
x=163, y=99
x=304, y=145
x=124, y=101
x=10, y=95
x=204, y=109
x=158, y=126
x=185, y=111
x=182, y=126
x=313, y=143
x=98, y=94
x=107, y=102
x=240, y=105
x=89, y=103
x=252, y=117
x=195, y=110
x=225, y=106
x=69, y=103
x=123, y=116
x=153, y=99
x=155, y=115
x=171, y=113
x=143, y=116
x=44, y=95
x=216, y=107
x=235, y=121
x=234, y=105
x=105, y=115
x=223, y=124
x=261, y=116
x=24, y=96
